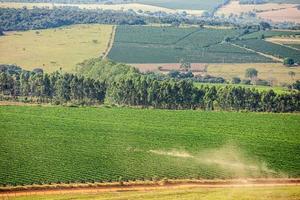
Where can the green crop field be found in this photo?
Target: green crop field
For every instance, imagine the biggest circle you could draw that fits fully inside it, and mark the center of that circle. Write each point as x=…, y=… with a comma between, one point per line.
x=270, y=48
x=293, y=45
x=61, y=144
x=262, y=193
x=169, y=45
x=270, y=33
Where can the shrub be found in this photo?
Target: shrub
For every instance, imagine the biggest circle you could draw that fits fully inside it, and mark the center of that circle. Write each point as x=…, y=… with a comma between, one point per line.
x=236, y=80
x=288, y=61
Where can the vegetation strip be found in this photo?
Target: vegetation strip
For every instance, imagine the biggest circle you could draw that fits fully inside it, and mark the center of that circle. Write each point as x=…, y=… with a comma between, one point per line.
x=111, y=42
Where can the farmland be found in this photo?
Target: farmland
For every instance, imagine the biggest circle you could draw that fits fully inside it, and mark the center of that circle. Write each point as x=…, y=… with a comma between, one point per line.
x=147, y=5
x=234, y=7
x=262, y=193
x=52, y=49
x=270, y=48
x=61, y=144
x=170, y=45
x=276, y=11
x=271, y=33
x=182, y=4
x=118, y=7
x=267, y=71
x=285, y=15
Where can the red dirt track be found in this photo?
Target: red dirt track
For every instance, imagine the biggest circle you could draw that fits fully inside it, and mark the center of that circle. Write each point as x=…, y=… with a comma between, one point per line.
x=147, y=186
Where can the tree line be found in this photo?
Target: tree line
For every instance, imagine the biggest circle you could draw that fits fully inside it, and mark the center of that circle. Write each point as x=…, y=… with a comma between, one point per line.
x=12, y=19
x=123, y=85
x=56, y=88
x=127, y=86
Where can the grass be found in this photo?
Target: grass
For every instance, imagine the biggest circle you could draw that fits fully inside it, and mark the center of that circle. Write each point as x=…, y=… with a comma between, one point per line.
x=267, y=71
x=52, y=49
x=261, y=193
x=279, y=90
x=60, y=144
x=170, y=45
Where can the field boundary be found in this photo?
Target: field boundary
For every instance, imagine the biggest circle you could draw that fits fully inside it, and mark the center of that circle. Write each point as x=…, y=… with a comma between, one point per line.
x=294, y=48
x=141, y=186
x=260, y=53
x=111, y=42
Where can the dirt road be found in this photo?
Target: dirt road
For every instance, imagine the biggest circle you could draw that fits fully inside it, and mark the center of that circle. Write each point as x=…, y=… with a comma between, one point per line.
x=126, y=187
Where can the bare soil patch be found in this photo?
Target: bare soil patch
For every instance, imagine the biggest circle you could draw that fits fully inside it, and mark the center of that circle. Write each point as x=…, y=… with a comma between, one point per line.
x=143, y=186
x=283, y=15
x=235, y=8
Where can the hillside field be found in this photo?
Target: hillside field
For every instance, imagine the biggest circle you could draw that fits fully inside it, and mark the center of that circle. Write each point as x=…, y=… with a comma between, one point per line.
x=169, y=45
x=270, y=49
x=52, y=49
x=59, y=144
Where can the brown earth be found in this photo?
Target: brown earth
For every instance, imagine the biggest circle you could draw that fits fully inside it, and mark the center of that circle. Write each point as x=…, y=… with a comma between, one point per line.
x=235, y=8
x=283, y=15
x=143, y=186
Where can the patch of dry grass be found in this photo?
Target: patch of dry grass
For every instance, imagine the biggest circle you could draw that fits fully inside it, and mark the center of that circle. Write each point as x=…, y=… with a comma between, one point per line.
x=52, y=49
x=275, y=71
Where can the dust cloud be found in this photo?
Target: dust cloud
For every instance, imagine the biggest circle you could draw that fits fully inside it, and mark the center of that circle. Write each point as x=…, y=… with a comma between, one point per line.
x=227, y=158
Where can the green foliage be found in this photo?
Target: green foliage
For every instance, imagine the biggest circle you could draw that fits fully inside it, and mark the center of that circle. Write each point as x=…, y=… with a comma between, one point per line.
x=60, y=144
x=236, y=80
x=296, y=85
x=39, y=18
x=145, y=44
x=55, y=88
x=104, y=70
x=288, y=61
x=124, y=85
x=251, y=73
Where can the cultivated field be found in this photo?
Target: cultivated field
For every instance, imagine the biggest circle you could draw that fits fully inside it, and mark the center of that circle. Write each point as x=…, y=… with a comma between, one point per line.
x=282, y=15
x=252, y=193
x=276, y=11
x=145, y=44
x=269, y=48
x=272, y=33
x=234, y=7
x=183, y=4
x=267, y=71
x=129, y=6
x=52, y=49
x=58, y=144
